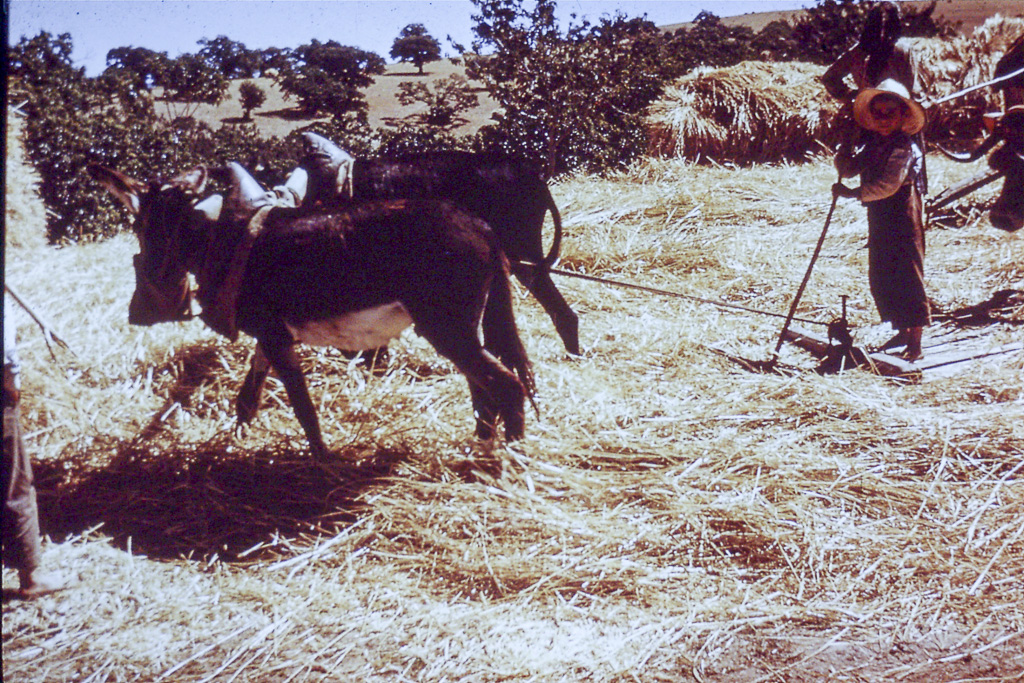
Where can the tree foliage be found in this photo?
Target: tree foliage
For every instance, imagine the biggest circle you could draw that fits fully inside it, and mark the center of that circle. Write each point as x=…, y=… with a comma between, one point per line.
x=415, y=45
x=143, y=67
x=572, y=99
x=709, y=42
x=251, y=96
x=73, y=120
x=229, y=57
x=446, y=101
x=191, y=79
x=327, y=77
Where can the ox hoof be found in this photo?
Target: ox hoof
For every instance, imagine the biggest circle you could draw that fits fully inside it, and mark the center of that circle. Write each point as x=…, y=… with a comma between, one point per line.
x=245, y=413
x=320, y=453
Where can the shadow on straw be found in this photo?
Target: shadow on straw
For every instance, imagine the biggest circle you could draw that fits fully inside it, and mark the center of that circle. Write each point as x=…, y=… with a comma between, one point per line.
x=173, y=500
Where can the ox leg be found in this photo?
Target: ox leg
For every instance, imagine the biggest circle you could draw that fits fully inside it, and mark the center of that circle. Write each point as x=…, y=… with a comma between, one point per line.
x=285, y=361
x=248, y=402
x=566, y=321
x=495, y=390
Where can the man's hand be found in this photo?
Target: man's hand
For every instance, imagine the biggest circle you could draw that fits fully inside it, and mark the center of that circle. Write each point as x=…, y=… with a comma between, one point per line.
x=840, y=190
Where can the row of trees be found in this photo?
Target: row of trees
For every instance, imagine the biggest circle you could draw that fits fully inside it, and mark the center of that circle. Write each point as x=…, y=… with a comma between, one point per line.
x=571, y=97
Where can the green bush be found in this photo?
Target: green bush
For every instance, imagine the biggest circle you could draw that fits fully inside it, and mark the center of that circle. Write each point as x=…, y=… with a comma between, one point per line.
x=73, y=121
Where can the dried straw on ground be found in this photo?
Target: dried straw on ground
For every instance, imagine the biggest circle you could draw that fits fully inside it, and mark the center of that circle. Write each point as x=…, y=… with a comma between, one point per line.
x=752, y=112
x=670, y=516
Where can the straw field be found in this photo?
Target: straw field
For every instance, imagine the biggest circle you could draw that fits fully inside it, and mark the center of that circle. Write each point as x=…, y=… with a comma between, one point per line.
x=758, y=112
x=670, y=516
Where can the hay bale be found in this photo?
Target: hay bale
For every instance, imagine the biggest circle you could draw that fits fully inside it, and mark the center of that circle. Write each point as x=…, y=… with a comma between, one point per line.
x=752, y=112
x=947, y=65
x=765, y=112
x=24, y=212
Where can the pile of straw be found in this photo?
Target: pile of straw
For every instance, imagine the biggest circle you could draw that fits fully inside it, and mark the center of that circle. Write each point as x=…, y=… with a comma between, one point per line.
x=748, y=113
x=24, y=211
x=949, y=65
x=767, y=112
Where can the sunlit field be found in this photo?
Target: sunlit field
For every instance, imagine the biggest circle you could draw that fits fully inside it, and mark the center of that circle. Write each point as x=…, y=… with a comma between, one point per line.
x=670, y=516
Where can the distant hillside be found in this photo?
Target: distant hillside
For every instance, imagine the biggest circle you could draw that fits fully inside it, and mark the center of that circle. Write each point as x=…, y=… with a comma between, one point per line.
x=970, y=13
x=279, y=116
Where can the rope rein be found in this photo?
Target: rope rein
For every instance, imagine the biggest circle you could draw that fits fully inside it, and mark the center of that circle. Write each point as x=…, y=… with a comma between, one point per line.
x=665, y=292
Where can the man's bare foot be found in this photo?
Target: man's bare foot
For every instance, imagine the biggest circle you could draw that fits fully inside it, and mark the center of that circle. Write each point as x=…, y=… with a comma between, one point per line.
x=913, y=337
x=38, y=583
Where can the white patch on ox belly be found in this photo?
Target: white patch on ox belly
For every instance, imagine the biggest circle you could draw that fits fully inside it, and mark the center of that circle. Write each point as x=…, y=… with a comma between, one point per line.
x=369, y=328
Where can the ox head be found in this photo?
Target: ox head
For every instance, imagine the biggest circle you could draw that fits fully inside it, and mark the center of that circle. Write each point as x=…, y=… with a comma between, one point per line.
x=1006, y=137
x=1007, y=212
x=164, y=213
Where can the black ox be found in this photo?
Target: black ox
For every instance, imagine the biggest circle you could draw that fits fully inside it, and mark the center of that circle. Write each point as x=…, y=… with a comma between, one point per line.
x=509, y=194
x=353, y=279
x=1006, y=127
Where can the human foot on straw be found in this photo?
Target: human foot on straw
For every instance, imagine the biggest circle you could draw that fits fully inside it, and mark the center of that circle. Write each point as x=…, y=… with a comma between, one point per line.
x=37, y=583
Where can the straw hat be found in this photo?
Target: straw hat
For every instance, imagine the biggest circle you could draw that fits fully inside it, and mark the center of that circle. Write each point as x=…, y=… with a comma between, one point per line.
x=913, y=123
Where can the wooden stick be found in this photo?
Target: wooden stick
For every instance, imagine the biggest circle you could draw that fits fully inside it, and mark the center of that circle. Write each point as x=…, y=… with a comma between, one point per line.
x=807, y=276
x=48, y=332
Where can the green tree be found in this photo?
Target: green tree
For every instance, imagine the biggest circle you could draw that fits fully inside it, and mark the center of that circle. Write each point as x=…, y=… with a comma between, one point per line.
x=273, y=59
x=446, y=101
x=251, y=96
x=327, y=78
x=140, y=65
x=229, y=57
x=415, y=45
x=73, y=120
x=192, y=80
x=572, y=100
x=709, y=42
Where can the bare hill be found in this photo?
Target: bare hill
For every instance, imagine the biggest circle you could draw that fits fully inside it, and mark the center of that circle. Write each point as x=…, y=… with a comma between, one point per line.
x=969, y=13
x=278, y=116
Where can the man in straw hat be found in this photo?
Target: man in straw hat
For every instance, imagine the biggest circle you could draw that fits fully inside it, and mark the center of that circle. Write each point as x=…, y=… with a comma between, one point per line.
x=890, y=174
x=881, y=53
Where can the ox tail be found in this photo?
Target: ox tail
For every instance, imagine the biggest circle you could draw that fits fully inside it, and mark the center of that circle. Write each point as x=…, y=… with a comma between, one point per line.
x=501, y=334
x=556, y=244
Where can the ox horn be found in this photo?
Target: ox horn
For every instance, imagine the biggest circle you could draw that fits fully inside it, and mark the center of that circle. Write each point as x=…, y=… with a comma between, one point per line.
x=319, y=145
x=211, y=207
x=192, y=181
x=246, y=195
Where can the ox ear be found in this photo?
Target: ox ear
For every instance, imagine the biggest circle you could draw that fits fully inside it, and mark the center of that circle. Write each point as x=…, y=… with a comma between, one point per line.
x=127, y=190
x=246, y=195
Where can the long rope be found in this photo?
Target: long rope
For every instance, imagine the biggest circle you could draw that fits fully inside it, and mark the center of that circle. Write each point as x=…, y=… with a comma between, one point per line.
x=665, y=292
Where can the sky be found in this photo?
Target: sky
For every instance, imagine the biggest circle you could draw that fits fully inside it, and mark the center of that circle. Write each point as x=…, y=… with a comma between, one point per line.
x=176, y=26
